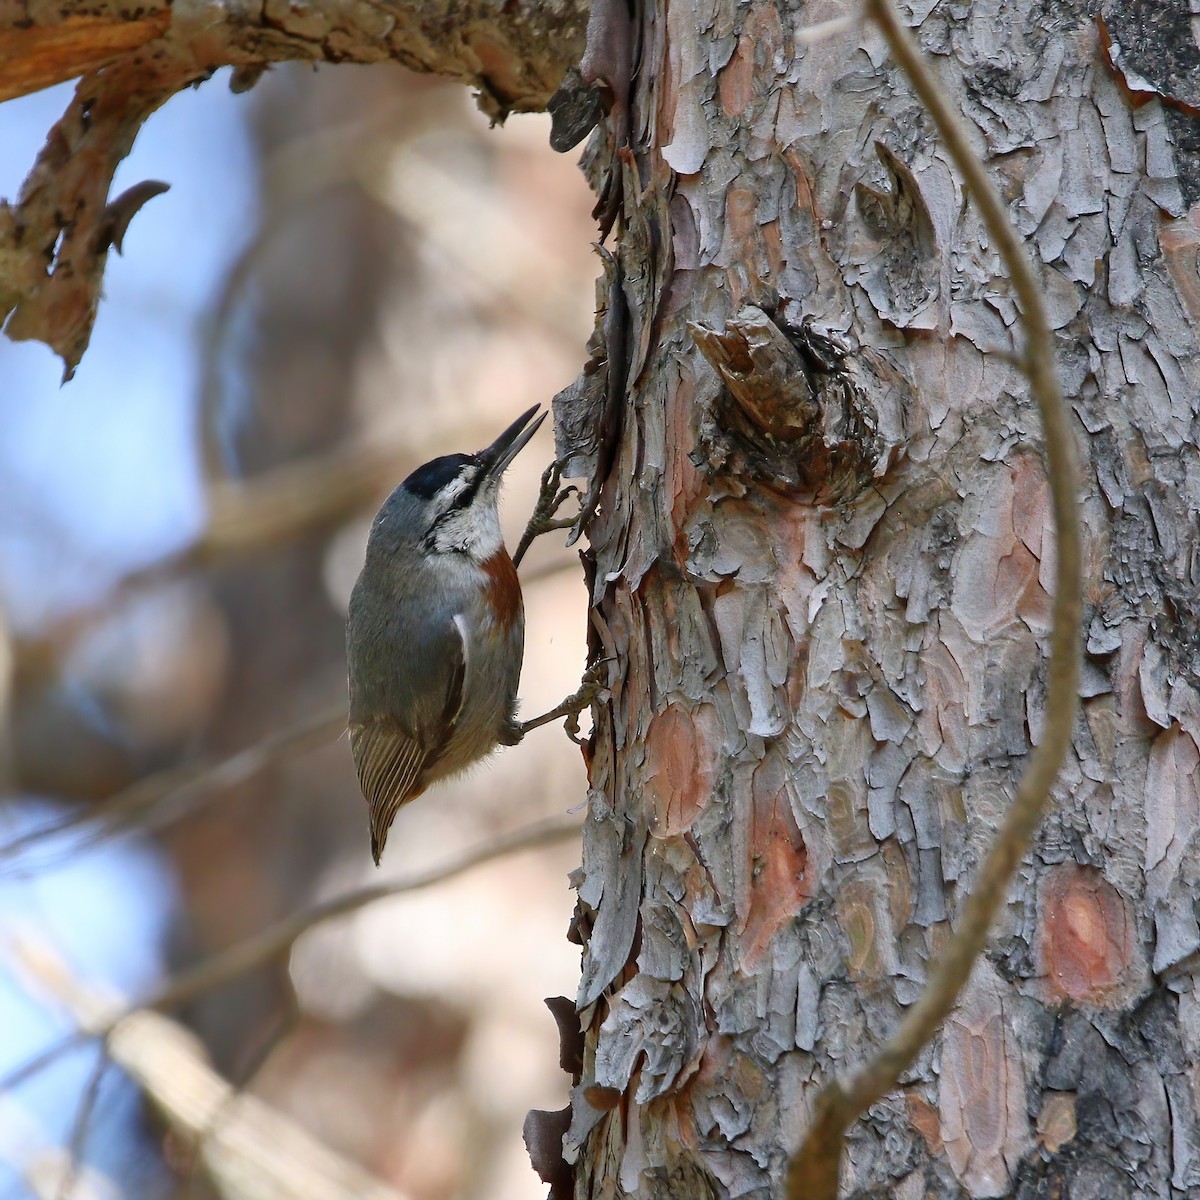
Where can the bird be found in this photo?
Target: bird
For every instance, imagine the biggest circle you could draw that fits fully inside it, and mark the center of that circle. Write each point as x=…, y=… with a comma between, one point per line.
x=435, y=631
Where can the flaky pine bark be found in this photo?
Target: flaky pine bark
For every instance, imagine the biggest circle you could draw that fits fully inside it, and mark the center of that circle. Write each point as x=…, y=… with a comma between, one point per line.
x=820, y=568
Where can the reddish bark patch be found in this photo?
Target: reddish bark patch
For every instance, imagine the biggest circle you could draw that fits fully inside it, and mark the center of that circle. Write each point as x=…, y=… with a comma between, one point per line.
x=772, y=238
x=778, y=868
x=1086, y=935
x=735, y=87
x=680, y=767
x=805, y=200
x=925, y=1120
x=683, y=482
x=757, y=46
x=741, y=237
x=1180, y=243
x=504, y=589
x=1056, y=1123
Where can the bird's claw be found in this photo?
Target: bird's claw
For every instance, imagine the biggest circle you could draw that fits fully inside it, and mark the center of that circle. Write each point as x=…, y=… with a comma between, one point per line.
x=545, y=519
x=592, y=684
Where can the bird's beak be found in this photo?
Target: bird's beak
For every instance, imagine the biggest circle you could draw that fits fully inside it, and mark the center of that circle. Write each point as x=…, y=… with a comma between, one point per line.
x=509, y=444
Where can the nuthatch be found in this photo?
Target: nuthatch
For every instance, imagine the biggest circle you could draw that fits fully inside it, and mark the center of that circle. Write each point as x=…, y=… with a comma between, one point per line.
x=436, y=630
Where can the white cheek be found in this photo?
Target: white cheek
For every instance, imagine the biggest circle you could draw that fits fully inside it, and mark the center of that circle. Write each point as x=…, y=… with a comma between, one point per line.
x=475, y=531
x=488, y=538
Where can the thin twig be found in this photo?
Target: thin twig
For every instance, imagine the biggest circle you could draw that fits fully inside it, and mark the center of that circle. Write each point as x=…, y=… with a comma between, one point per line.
x=255, y=1150
x=279, y=938
x=77, y=1146
x=42, y=1164
x=170, y=795
x=813, y=1173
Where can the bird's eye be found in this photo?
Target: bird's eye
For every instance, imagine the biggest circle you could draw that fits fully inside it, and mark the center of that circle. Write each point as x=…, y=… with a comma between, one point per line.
x=464, y=494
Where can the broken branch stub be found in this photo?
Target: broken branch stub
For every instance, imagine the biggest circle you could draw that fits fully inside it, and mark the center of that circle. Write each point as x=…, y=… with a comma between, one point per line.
x=54, y=240
x=131, y=58
x=802, y=411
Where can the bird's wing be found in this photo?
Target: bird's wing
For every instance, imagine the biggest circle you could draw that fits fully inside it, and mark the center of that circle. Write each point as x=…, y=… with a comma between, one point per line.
x=390, y=760
x=389, y=763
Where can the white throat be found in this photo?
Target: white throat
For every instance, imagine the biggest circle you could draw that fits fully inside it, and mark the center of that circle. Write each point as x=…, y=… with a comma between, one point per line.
x=474, y=530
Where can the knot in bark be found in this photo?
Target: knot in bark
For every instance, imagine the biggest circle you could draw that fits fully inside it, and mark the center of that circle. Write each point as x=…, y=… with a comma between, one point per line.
x=804, y=411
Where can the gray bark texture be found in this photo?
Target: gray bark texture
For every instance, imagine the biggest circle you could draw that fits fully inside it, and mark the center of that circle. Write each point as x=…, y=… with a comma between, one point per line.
x=820, y=566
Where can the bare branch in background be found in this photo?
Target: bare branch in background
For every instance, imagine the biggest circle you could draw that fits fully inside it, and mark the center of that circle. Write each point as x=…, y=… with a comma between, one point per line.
x=54, y=240
x=46, y=1169
x=248, y=518
x=83, y=1121
x=248, y=1148
x=228, y=1114
x=813, y=1172
x=171, y=795
x=100, y=1021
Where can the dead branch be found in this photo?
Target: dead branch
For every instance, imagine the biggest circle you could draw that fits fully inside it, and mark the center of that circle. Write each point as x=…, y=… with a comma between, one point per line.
x=170, y=795
x=230, y=1111
x=83, y=1121
x=46, y=1168
x=813, y=1172
x=251, y=1151
x=102, y=1019
x=54, y=240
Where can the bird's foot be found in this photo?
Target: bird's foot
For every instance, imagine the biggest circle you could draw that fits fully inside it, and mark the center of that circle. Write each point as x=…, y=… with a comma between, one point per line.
x=545, y=517
x=592, y=684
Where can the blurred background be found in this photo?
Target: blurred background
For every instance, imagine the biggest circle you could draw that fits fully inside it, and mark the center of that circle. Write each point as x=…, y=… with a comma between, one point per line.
x=350, y=274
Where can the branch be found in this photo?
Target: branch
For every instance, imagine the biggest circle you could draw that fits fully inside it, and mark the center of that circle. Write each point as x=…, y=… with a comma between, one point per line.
x=813, y=1172
x=47, y=1169
x=83, y=1120
x=245, y=518
x=54, y=240
x=229, y=1110
x=170, y=795
x=249, y=1149
x=102, y=1020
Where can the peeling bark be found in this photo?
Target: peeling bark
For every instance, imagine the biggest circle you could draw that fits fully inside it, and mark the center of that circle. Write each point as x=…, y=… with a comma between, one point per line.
x=832, y=643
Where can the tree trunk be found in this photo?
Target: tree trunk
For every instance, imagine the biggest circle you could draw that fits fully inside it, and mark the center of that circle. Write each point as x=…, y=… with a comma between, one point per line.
x=821, y=561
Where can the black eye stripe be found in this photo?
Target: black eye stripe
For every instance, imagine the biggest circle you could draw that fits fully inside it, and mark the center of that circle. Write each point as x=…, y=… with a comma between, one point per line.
x=467, y=495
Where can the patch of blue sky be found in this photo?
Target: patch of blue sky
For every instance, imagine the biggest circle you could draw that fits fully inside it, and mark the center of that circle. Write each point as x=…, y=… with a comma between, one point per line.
x=103, y=474
x=105, y=911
